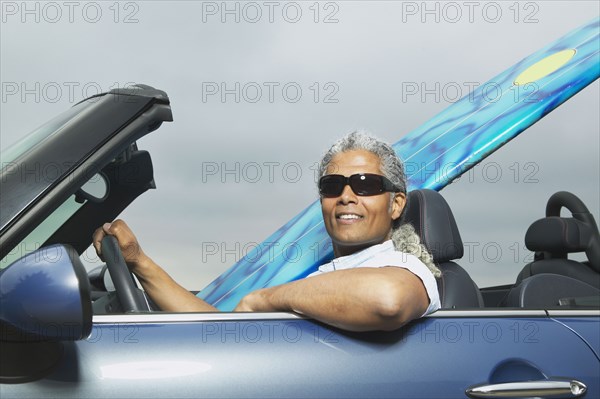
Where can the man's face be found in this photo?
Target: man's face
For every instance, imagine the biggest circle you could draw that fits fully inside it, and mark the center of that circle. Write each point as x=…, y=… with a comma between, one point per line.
x=357, y=222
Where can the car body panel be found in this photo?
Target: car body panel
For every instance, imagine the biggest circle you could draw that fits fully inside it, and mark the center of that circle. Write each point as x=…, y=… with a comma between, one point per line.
x=210, y=356
x=587, y=328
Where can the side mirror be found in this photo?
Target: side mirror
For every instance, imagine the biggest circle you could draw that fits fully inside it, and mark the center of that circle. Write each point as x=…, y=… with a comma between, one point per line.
x=44, y=299
x=44, y=296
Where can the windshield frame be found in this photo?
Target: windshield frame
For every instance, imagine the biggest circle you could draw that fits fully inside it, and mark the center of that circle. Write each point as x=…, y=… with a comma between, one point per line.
x=44, y=176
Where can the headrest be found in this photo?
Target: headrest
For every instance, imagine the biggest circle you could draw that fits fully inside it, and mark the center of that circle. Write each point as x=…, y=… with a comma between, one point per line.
x=432, y=218
x=558, y=235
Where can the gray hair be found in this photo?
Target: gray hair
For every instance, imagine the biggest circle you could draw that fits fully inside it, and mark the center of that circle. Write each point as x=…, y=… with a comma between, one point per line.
x=391, y=166
x=404, y=236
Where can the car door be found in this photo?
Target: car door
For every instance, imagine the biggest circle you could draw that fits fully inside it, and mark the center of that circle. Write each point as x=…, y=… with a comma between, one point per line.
x=285, y=356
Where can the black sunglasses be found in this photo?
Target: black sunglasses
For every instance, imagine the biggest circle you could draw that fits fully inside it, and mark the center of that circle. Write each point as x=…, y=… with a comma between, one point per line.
x=362, y=184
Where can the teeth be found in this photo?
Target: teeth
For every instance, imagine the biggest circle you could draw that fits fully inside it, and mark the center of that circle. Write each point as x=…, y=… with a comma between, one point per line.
x=349, y=217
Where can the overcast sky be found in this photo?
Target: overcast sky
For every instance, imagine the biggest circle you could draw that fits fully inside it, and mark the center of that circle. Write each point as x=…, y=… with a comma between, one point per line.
x=259, y=90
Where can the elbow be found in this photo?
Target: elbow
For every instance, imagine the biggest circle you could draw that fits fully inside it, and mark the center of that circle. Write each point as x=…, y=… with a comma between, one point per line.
x=394, y=308
x=400, y=300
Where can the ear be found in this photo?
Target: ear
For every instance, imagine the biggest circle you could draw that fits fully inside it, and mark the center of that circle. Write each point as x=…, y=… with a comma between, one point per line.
x=398, y=205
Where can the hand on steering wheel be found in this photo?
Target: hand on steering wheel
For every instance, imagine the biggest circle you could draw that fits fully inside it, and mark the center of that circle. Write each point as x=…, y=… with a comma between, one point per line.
x=130, y=297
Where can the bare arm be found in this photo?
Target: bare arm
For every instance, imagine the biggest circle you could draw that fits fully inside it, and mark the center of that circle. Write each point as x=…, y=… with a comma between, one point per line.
x=166, y=292
x=358, y=299
x=163, y=290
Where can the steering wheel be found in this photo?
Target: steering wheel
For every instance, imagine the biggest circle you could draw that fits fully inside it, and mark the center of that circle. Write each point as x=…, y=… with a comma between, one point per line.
x=130, y=297
x=580, y=212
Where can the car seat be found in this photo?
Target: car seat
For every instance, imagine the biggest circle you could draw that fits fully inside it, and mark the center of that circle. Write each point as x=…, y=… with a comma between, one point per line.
x=552, y=279
x=432, y=219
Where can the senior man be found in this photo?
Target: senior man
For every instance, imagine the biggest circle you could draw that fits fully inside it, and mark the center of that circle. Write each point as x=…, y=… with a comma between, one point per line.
x=382, y=276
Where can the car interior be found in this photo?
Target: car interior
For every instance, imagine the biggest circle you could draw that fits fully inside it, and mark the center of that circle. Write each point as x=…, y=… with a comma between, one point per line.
x=550, y=281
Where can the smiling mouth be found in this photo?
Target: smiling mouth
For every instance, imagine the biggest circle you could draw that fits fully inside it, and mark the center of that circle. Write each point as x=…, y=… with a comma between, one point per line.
x=348, y=218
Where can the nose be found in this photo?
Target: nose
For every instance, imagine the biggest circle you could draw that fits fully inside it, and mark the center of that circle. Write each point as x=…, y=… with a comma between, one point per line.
x=348, y=196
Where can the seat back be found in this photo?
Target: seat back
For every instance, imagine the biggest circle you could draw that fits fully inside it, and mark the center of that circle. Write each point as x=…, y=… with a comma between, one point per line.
x=432, y=219
x=554, y=237
x=548, y=290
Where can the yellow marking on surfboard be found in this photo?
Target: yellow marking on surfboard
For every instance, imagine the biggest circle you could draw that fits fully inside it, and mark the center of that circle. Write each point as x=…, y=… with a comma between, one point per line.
x=545, y=67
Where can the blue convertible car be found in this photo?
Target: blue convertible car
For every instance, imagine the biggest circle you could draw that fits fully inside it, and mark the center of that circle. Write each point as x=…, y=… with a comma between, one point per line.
x=69, y=333
x=64, y=335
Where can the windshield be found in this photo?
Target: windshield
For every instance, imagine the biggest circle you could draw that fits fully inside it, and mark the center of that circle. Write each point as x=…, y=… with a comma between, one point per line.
x=22, y=146
x=42, y=232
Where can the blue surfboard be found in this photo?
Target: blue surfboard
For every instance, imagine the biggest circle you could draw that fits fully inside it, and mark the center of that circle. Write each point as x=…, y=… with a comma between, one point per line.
x=436, y=153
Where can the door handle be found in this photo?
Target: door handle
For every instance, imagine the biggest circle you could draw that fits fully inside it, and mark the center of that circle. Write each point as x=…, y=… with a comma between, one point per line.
x=555, y=388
